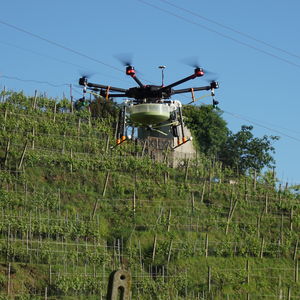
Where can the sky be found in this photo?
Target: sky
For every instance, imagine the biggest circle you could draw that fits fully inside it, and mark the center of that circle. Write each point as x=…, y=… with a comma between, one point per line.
x=252, y=47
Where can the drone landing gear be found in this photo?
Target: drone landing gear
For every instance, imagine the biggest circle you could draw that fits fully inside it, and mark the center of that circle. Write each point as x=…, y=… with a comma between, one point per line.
x=121, y=128
x=184, y=141
x=180, y=140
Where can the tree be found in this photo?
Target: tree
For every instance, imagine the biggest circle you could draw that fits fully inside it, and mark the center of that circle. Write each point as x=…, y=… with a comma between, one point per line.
x=209, y=129
x=240, y=151
x=243, y=151
x=102, y=108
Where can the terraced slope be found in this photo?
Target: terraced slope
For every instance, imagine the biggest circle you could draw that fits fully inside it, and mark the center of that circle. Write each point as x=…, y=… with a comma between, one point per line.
x=73, y=210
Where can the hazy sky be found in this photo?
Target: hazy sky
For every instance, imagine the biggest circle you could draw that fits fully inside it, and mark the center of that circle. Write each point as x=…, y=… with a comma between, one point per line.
x=253, y=46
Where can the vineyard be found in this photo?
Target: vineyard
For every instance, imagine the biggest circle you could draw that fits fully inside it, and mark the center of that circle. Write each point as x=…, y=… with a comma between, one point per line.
x=73, y=210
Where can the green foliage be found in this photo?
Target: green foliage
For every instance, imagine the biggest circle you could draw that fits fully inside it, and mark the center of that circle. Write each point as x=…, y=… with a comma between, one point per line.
x=240, y=151
x=102, y=108
x=76, y=285
x=62, y=222
x=207, y=126
x=243, y=151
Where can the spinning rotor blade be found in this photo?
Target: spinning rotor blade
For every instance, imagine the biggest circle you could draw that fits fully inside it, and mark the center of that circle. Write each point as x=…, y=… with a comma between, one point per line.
x=191, y=61
x=213, y=82
x=86, y=75
x=194, y=62
x=125, y=58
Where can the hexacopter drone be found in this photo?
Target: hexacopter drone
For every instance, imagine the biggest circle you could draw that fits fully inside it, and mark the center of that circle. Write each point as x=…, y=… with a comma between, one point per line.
x=150, y=106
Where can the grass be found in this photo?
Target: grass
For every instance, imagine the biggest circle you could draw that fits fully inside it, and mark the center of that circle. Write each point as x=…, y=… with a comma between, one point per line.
x=82, y=211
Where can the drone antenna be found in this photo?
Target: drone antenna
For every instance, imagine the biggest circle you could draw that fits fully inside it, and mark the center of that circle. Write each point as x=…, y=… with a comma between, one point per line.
x=162, y=74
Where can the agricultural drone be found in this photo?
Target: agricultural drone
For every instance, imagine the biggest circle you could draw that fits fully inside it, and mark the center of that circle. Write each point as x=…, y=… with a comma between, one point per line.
x=150, y=106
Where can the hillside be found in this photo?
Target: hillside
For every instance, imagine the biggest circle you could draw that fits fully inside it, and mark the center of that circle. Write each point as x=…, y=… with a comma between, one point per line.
x=73, y=210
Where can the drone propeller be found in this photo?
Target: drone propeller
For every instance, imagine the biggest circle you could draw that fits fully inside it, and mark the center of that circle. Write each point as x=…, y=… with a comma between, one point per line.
x=86, y=74
x=125, y=58
x=191, y=61
x=194, y=62
x=213, y=82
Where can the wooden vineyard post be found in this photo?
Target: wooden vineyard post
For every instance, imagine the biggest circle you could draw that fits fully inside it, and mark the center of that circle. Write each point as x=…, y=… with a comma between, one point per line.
x=295, y=250
x=50, y=275
x=7, y=242
x=186, y=170
x=140, y=254
x=209, y=279
x=246, y=191
x=107, y=144
x=280, y=296
x=206, y=245
x=90, y=120
x=144, y=148
x=5, y=116
x=203, y=192
x=261, y=252
x=230, y=214
x=103, y=194
x=279, y=193
x=79, y=126
x=71, y=98
x=54, y=112
x=258, y=225
x=169, y=220
x=23, y=155
x=286, y=186
x=266, y=204
x=27, y=241
x=281, y=229
x=35, y=99
x=3, y=94
x=296, y=271
x=134, y=202
x=71, y=161
x=209, y=184
x=291, y=219
x=193, y=201
x=254, y=180
x=289, y=293
x=63, y=144
x=8, y=278
x=33, y=136
x=6, y=152
x=248, y=271
x=169, y=253
x=154, y=248
x=46, y=293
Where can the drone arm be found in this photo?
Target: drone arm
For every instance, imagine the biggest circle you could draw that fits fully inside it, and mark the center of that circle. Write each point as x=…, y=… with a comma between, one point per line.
x=117, y=95
x=83, y=81
x=178, y=82
x=106, y=87
x=197, y=73
x=137, y=81
x=188, y=90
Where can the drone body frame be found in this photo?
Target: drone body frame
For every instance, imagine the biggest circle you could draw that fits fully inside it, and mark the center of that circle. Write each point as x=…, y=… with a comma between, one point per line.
x=149, y=106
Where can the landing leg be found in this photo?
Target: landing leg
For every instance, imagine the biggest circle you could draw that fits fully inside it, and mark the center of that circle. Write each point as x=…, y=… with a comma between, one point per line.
x=121, y=129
